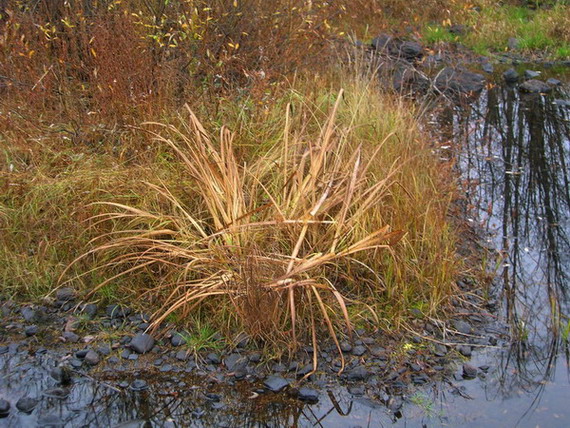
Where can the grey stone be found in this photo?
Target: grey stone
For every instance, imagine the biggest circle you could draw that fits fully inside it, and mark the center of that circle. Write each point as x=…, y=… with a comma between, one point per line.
x=464, y=350
x=177, y=339
x=440, y=350
x=70, y=337
x=139, y=385
x=345, y=346
x=29, y=314
x=359, y=350
x=92, y=358
x=276, y=383
x=182, y=355
x=535, y=86
x=213, y=358
x=511, y=76
x=531, y=74
x=308, y=394
x=65, y=294
x=4, y=407
x=142, y=343
x=554, y=82
x=235, y=361
x=117, y=311
x=459, y=81
x=90, y=309
x=488, y=67
x=358, y=373
x=462, y=326
x=469, y=372
x=26, y=404
x=31, y=330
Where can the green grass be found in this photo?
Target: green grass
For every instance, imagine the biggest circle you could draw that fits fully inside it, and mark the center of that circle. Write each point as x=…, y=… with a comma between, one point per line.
x=436, y=33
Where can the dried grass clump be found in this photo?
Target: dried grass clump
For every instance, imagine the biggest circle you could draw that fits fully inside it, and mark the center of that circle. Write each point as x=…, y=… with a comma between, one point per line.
x=278, y=239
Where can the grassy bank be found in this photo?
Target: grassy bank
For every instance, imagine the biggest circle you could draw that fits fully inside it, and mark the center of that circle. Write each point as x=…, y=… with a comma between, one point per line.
x=167, y=157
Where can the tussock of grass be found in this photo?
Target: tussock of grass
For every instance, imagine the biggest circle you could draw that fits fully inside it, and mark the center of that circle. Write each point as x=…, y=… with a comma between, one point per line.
x=340, y=219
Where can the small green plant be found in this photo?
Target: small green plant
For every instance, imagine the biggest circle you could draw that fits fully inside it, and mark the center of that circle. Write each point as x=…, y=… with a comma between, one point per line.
x=202, y=337
x=426, y=404
x=436, y=33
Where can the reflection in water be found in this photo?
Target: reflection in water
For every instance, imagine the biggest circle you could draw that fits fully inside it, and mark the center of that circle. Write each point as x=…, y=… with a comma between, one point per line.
x=513, y=153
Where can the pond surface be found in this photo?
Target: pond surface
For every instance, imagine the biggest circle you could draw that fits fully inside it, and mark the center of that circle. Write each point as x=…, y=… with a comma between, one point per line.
x=513, y=152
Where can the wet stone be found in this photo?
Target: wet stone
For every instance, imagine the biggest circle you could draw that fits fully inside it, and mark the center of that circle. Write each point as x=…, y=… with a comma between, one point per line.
x=395, y=403
x=142, y=343
x=358, y=373
x=213, y=358
x=531, y=74
x=469, y=371
x=70, y=337
x=3, y=350
x=308, y=394
x=235, y=361
x=535, y=86
x=60, y=393
x=459, y=81
x=182, y=355
x=92, y=358
x=464, y=350
x=65, y=294
x=133, y=357
x=359, y=350
x=139, y=385
x=345, y=346
x=76, y=363
x=488, y=67
x=90, y=309
x=29, y=314
x=276, y=383
x=31, y=330
x=177, y=339
x=462, y=326
x=356, y=390
x=26, y=404
x=4, y=407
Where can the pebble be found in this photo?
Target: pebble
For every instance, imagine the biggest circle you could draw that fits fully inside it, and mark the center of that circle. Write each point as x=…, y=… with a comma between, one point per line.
x=464, y=350
x=117, y=311
x=358, y=373
x=462, y=326
x=345, y=346
x=65, y=294
x=26, y=404
x=359, y=350
x=213, y=358
x=276, y=383
x=70, y=337
x=177, y=340
x=4, y=407
x=308, y=394
x=31, y=330
x=142, y=343
x=139, y=385
x=92, y=358
x=469, y=372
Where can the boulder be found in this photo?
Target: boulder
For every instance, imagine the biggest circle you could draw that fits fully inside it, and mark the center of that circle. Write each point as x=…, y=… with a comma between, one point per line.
x=459, y=81
x=534, y=86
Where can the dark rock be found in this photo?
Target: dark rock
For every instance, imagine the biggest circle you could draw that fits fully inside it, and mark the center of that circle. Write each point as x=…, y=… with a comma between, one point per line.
x=76, y=363
x=511, y=76
x=51, y=421
x=26, y=404
x=488, y=67
x=306, y=369
x=553, y=82
x=90, y=309
x=4, y=407
x=469, y=372
x=382, y=42
x=177, y=339
x=440, y=350
x=70, y=337
x=142, y=343
x=61, y=375
x=255, y=357
x=309, y=395
x=92, y=358
x=531, y=74
x=31, y=330
x=410, y=50
x=280, y=368
x=464, y=350
x=116, y=311
x=125, y=354
x=345, y=346
x=139, y=385
x=29, y=314
x=407, y=78
x=165, y=368
x=213, y=358
x=459, y=81
x=81, y=353
x=3, y=349
x=359, y=350
x=356, y=390
x=65, y=294
x=182, y=355
x=276, y=383
x=535, y=86
x=358, y=373
x=235, y=361
x=462, y=326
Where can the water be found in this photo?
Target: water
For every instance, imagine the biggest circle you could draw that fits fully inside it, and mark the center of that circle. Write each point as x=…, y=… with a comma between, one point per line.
x=512, y=152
